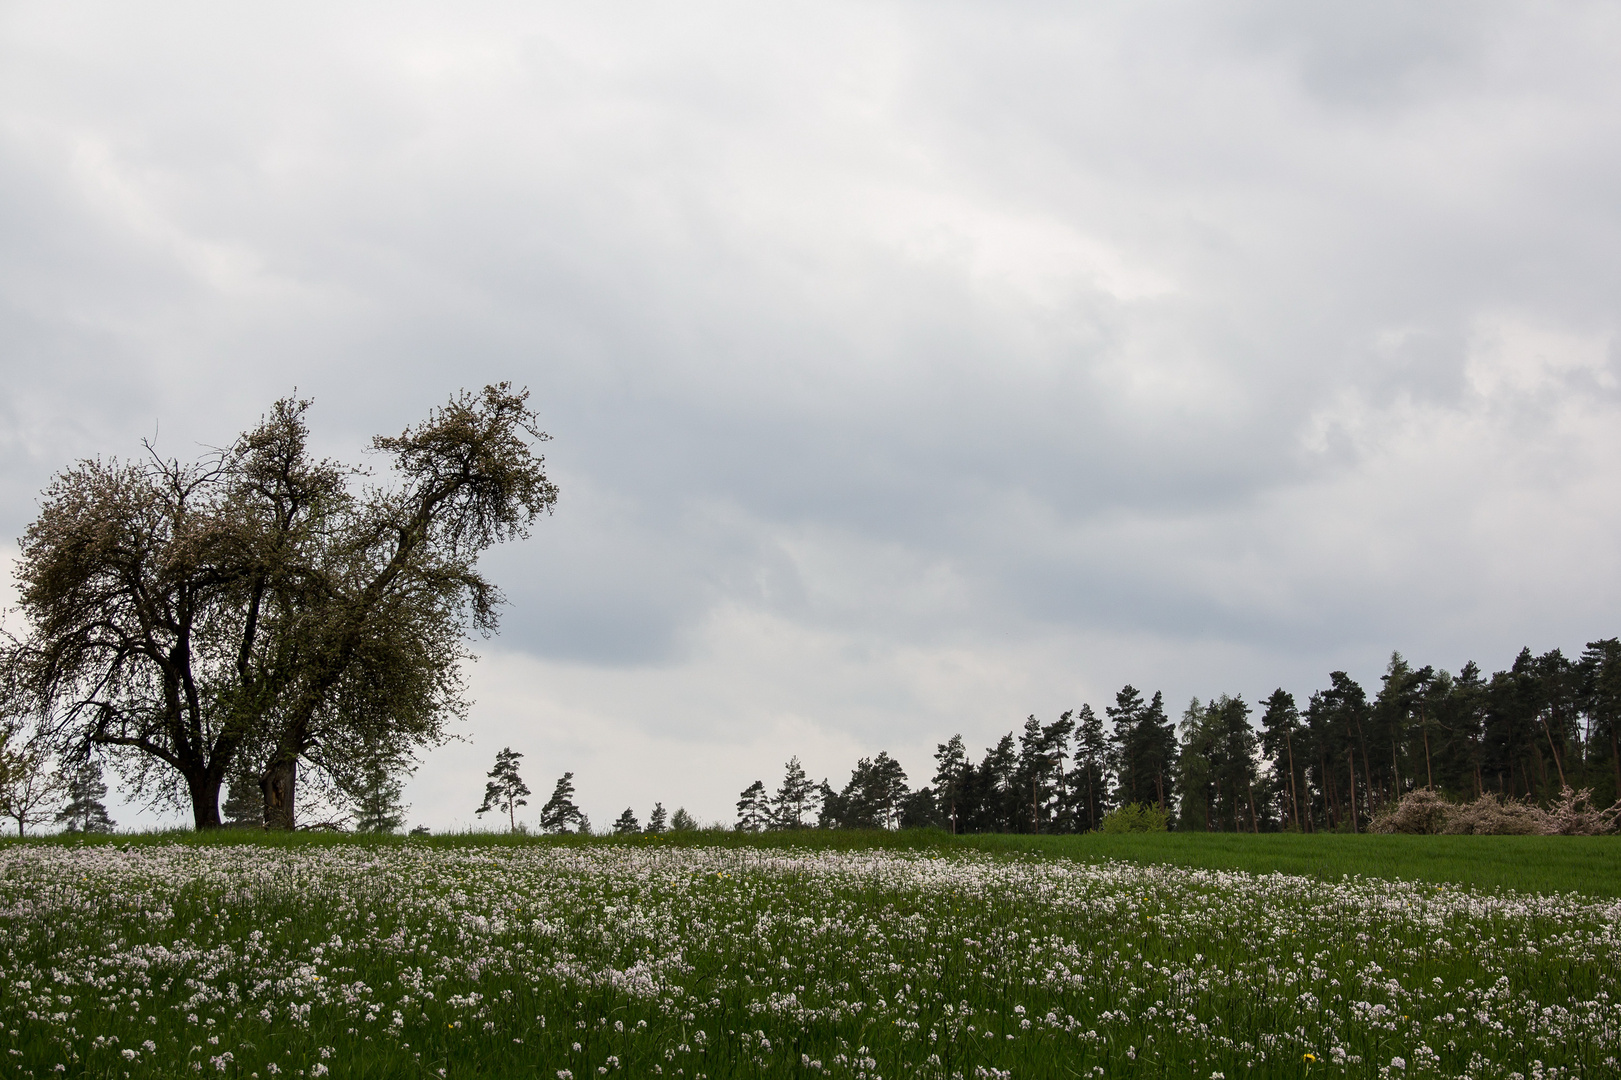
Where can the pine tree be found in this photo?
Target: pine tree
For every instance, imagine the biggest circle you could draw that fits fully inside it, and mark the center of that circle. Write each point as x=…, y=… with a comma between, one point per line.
x=753, y=808
x=84, y=788
x=1601, y=702
x=1029, y=777
x=872, y=799
x=948, y=779
x=1144, y=748
x=681, y=821
x=1336, y=719
x=1454, y=707
x=1195, y=784
x=920, y=809
x=998, y=776
x=376, y=797
x=889, y=787
x=1235, y=774
x=1281, y=731
x=795, y=798
x=1040, y=775
x=1055, y=747
x=560, y=812
x=1126, y=716
x=627, y=825
x=658, y=820
x=1091, y=785
x=244, y=805
x=506, y=789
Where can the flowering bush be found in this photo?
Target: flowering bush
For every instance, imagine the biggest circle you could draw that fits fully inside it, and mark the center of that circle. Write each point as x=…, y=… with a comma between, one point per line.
x=1425, y=811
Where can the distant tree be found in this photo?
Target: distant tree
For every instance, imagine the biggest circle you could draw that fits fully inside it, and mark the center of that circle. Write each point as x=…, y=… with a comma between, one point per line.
x=1000, y=798
x=1512, y=747
x=29, y=790
x=506, y=789
x=1091, y=782
x=1337, y=719
x=421, y=830
x=583, y=825
x=1058, y=806
x=1195, y=772
x=890, y=788
x=375, y=792
x=1280, y=731
x=658, y=820
x=1040, y=773
x=753, y=808
x=1235, y=774
x=1601, y=704
x=949, y=777
x=1455, y=711
x=681, y=821
x=560, y=813
x=244, y=805
x=796, y=797
x=1144, y=748
x=627, y=825
x=830, y=813
x=83, y=787
x=870, y=800
x=919, y=809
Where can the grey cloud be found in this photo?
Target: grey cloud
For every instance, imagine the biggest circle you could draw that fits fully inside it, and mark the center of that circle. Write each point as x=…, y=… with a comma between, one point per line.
x=1281, y=332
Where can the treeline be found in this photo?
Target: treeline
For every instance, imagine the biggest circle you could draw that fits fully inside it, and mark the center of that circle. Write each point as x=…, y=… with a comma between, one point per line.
x=1548, y=723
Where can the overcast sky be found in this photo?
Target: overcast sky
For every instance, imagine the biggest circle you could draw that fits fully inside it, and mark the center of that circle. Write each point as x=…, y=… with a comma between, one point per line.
x=912, y=368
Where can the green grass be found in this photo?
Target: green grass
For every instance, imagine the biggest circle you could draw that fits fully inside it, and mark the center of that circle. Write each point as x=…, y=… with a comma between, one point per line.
x=1590, y=865
x=853, y=955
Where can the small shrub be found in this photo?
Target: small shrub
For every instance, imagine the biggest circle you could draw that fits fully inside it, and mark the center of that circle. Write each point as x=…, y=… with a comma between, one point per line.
x=1424, y=812
x=1135, y=817
x=1575, y=815
x=1491, y=815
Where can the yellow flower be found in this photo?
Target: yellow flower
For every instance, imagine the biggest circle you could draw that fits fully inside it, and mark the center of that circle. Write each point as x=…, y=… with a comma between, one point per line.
x=1309, y=1058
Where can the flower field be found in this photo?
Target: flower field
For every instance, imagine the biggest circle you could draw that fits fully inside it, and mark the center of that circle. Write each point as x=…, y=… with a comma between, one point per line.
x=413, y=959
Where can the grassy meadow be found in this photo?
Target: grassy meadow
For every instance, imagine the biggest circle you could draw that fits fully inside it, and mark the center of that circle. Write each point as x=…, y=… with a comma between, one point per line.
x=818, y=954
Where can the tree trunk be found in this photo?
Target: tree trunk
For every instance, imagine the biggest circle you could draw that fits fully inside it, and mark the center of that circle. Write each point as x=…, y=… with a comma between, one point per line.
x=1350, y=763
x=205, y=801
x=1615, y=758
x=1429, y=770
x=277, y=785
x=1294, y=796
x=1331, y=797
x=1548, y=730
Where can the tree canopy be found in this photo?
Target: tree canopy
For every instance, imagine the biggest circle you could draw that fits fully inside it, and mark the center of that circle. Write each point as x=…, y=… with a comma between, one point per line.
x=266, y=606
